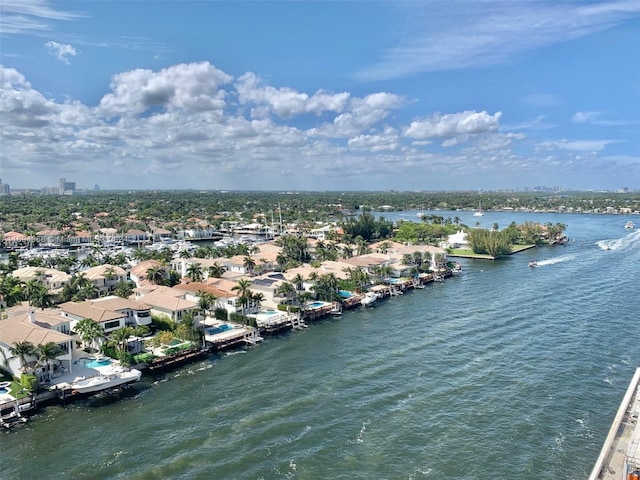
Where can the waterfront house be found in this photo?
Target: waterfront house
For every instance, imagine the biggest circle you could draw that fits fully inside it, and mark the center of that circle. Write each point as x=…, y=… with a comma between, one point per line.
x=457, y=240
x=169, y=302
x=54, y=280
x=24, y=324
x=225, y=299
x=135, y=236
x=136, y=313
x=107, y=319
x=139, y=272
x=14, y=240
x=80, y=239
x=369, y=261
x=321, y=233
x=105, y=277
x=50, y=237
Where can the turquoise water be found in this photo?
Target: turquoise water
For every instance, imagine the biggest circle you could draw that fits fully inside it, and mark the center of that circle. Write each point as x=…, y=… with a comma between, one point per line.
x=504, y=372
x=317, y=304
x=219, y=329
x=98, y=363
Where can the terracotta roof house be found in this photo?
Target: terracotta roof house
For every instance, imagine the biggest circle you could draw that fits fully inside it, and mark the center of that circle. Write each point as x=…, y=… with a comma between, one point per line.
x=139, y=271
x=14, y=239
x=38, y=328
x=137, y=313
x=106, y=277
x=54, y=280
x=51, y=237
x=224, y=298
x=107, y=319
x=168, y=305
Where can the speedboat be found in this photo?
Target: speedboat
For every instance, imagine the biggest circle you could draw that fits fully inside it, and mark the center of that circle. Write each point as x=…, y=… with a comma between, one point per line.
x=369, y=298
x=629, y=224
x=105, y=381
x=533, y=263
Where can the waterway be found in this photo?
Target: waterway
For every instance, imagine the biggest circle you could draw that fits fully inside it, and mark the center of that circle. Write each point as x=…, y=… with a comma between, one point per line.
x=507, y=371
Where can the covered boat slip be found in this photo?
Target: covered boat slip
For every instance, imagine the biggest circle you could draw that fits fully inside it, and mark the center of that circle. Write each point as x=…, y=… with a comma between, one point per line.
x=620, y=455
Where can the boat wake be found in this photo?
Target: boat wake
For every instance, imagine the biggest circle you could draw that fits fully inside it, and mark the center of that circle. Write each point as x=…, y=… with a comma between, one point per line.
x=552, y=261
x=628, y=241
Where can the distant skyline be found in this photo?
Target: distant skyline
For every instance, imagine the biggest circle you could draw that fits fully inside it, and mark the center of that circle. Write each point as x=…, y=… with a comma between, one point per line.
x=353, y=95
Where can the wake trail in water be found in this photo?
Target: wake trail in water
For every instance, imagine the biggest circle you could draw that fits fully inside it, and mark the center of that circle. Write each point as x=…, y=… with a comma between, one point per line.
x=553, y=261
x=627, y=242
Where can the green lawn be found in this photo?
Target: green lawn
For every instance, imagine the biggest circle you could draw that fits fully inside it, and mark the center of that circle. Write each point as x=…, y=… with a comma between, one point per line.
x=468, y=253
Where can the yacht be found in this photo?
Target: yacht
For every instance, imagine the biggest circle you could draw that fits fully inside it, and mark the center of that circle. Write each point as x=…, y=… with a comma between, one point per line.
x=369, y=298
x=105, y=381
x=479, y=213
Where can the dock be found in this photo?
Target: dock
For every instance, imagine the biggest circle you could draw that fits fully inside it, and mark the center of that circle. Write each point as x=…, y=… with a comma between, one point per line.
x=619, y=458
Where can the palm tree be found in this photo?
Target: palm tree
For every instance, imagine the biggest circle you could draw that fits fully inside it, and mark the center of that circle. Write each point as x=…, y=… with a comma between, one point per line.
x=286, y=290
x=155, y=275
x=39, y=295
x=244, y=293
x=298, y=281
x=216, y=270
x=347, y=251
x=249, y=264
x=206, y=300
x=47, y=352
x=11, y=290
x=21, y=350
x=121, y=338
x=384, y=247
x=194, y=272
x=257, y=299
x=90, y=331
x=124, y=288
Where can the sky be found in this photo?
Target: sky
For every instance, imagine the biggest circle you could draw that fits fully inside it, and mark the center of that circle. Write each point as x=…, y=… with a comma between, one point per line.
x=320, y=95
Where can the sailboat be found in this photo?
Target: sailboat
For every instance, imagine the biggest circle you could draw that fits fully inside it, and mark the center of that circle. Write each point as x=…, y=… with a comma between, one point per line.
x=479, y=213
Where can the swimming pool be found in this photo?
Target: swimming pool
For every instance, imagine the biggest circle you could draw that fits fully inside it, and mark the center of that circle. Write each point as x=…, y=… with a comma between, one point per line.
x=219, y=329
x=269, y=313
x=344, y=294
x=317, y=304
x=4, y=391
x=93, y=363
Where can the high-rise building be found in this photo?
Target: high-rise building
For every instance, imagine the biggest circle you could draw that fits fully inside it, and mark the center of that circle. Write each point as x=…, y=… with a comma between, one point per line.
x=66, y=186
x=4, y=188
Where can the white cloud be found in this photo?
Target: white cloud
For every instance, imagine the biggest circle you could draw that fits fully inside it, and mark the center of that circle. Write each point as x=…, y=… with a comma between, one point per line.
x=468, y=122
x=192, y=87
x=361, y=114
x=30, y=16
x=61, y=51
x=286, y=102
x=177, y=127
x=462, y=34
x=577, y=145
x=593, y=118
x=386, y=141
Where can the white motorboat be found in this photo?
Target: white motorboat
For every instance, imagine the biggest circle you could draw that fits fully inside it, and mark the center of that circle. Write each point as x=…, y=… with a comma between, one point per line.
x=479, y=213
x=105, y=381
x=369, y=298
x=629, y=224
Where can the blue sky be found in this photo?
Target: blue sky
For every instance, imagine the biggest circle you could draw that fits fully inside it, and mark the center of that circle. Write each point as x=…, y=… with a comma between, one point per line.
x=352, y=95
